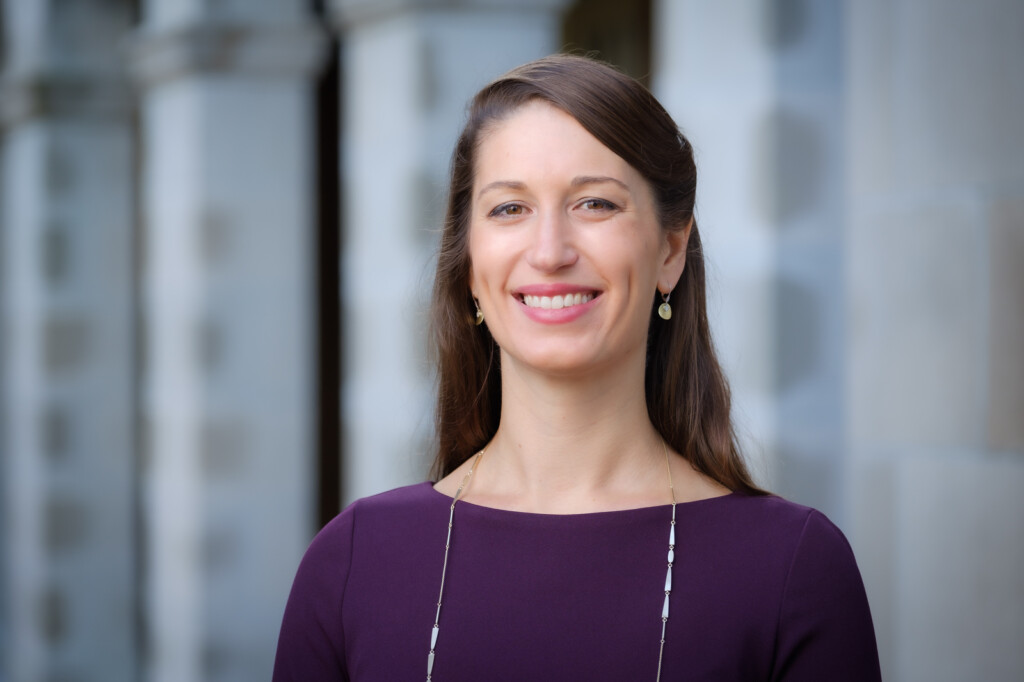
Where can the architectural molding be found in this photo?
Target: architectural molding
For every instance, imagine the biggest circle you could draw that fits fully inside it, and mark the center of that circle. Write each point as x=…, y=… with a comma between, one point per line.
x=289, y=50
x=347, y=13
x=59, y=95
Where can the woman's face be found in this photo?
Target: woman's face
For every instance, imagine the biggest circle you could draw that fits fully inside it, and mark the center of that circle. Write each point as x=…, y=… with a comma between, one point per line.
x=566, y=252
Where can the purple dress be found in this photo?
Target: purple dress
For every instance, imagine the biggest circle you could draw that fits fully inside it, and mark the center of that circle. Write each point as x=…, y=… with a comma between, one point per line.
x=763, y=589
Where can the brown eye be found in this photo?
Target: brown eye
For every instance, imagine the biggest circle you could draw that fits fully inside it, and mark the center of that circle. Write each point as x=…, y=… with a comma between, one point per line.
x=509, y=209
x=598, y=205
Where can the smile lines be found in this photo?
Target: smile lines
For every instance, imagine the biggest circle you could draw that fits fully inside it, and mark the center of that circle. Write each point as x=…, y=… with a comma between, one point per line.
x=556, y=302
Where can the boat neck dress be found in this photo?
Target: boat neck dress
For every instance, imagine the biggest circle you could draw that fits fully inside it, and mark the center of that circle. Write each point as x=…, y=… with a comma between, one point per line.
x=762, y=589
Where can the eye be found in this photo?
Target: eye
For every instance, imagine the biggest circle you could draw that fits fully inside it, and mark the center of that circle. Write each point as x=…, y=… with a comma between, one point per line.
x=511, y=210
x=597, y=205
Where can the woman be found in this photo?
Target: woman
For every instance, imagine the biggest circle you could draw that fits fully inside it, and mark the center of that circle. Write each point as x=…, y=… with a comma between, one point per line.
x=593, y=519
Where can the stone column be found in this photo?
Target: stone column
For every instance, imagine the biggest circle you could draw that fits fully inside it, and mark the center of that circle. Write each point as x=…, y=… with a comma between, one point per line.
x=935, y=298
x=410, y=67
x=759, y=88
x=228, y=273
x=66, y=353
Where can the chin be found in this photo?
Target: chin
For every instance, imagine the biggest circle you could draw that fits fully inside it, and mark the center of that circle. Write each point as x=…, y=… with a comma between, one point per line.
x=566, y=363
x=555, y=360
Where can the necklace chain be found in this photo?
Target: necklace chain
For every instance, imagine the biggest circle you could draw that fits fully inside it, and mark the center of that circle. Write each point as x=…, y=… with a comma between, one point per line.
x=448, y=543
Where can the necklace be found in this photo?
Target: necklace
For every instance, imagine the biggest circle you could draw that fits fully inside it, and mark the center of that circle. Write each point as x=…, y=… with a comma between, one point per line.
x=448, y=543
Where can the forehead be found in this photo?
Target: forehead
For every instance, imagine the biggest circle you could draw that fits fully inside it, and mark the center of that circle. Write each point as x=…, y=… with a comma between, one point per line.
x=539, y=140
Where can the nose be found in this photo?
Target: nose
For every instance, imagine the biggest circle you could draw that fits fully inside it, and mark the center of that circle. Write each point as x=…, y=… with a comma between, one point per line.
x=552, y=245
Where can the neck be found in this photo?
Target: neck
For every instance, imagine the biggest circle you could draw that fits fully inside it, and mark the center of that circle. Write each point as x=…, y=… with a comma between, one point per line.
x=573, y=444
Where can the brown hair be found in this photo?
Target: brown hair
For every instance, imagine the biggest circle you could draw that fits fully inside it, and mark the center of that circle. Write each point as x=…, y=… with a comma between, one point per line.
x=687, y=395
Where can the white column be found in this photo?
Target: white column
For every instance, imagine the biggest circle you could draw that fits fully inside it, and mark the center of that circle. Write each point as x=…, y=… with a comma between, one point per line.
x=758, y=88
x=410, y=67
x=228, y=272
x=719, y=108
x=935, y=369
x=66, y=296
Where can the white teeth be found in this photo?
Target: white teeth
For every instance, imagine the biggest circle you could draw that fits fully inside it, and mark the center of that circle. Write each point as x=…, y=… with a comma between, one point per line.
x=557, y=302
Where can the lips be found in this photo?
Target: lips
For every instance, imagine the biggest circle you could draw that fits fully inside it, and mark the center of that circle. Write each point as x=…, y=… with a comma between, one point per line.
x=558, y=301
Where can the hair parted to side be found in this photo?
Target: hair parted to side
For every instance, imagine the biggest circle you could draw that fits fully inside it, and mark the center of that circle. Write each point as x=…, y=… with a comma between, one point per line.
x=687, y=394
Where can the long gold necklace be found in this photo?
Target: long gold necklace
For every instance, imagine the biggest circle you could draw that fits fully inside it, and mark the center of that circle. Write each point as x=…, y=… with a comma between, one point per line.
x=448, y=543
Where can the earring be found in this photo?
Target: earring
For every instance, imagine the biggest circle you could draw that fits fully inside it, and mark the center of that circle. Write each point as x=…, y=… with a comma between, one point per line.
x=479, y=314
x=665, y=310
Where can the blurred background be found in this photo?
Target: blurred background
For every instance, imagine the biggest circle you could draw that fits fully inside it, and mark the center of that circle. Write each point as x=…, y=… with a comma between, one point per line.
x=217, y=223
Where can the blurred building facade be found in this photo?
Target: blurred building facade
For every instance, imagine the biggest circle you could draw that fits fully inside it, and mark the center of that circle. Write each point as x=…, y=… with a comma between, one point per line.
x=217, y=220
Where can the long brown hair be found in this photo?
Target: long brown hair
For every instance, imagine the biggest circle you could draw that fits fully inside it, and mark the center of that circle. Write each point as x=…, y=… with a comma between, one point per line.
x=687, y=395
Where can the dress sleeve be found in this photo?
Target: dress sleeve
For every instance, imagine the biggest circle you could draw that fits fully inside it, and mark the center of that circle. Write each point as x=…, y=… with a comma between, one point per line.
x=825, y=629
x=311, y=646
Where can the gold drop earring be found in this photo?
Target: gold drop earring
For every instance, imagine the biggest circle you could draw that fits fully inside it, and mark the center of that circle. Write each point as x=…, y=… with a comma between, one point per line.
x=479, y=313
x=664, y=310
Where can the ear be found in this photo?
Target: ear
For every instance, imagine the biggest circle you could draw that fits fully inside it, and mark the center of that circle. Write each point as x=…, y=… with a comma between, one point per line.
x=674, y=258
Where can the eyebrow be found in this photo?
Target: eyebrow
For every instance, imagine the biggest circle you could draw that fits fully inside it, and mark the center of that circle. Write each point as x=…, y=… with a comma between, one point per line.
x=501, y=184
x=578, y=181
x=581, y=180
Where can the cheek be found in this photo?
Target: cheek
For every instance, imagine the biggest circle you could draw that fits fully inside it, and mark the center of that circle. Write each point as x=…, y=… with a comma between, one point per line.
x=474, y=277
x=475, y=263
x=638, y=257
x=485, y=264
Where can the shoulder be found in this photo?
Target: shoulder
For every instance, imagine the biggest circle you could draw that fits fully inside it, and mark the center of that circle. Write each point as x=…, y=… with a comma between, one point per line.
x=312, y=642
x=327, y=560
x=395, y=509
x=823, y=624
x=366, y=531
x=769, y=511
x=806, y=535
x=767, y=524
x=800, y=540
x=786, y=549
x=823, y=619
x=369, y=513
x=404, y=499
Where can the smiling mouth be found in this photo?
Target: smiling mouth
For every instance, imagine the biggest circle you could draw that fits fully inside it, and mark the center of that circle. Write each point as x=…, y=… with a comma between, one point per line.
x=557, y=302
